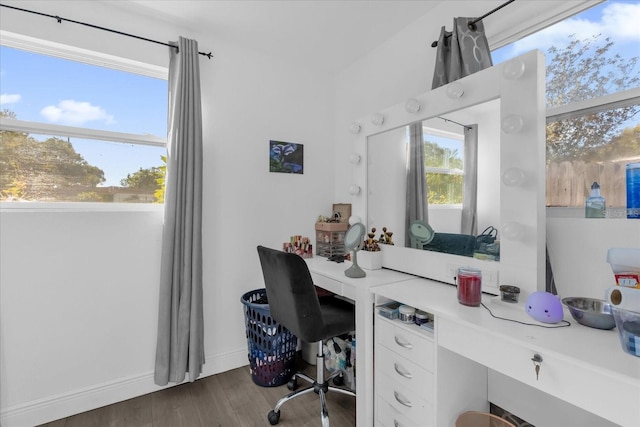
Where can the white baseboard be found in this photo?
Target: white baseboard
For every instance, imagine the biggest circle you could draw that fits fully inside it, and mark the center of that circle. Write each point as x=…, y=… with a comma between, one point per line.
x=63, y=405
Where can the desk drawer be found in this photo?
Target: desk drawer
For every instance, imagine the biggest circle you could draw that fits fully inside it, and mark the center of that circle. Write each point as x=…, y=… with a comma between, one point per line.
x=406, y=374
x=389, y=416
x=400, y=339
x=590, y=389
x=327, y=283
x=404, y=404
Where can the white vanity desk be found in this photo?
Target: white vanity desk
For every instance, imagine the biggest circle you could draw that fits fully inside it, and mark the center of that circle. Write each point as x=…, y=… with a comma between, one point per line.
x=475, y=353
x=582, y=366
x=330, y=276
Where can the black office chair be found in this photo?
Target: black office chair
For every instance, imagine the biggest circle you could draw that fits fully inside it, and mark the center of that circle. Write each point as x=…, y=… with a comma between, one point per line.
x=294, y=303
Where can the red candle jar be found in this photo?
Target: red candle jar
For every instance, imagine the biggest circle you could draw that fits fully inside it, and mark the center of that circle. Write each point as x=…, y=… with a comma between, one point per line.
x=469, y=286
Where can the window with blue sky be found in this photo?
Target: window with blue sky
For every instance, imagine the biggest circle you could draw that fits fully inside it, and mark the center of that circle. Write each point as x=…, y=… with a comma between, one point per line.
x=591, y=57
x=55, y=91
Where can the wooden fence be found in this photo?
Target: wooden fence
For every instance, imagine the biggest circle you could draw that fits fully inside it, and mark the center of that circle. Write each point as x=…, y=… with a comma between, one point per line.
x=569, y=183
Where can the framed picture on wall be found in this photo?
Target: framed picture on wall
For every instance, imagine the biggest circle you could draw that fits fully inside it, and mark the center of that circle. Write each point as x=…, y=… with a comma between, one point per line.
x=286, y=157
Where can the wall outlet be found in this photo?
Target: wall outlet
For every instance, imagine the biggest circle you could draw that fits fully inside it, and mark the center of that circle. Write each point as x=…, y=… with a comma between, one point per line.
x=489, y=276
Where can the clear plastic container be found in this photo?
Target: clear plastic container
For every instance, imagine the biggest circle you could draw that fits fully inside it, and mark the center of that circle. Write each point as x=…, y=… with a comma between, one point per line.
x=628, y=325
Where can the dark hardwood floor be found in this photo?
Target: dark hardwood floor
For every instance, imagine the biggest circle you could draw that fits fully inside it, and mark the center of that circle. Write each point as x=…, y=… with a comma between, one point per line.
x=230, y=399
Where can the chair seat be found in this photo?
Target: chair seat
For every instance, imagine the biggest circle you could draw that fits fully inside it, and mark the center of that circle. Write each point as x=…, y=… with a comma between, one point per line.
x=338, y=317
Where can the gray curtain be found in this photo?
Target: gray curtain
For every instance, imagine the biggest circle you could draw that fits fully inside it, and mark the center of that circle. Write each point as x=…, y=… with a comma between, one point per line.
x=461, y=52
x=180, y=345
x=469, y=223
x=416, y=180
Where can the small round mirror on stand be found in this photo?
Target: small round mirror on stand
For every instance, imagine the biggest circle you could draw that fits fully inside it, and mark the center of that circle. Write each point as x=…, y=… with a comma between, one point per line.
x=420, y=233
x=353, y=239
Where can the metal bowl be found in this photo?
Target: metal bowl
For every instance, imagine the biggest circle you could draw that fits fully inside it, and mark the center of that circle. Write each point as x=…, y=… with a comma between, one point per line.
x=592, y=312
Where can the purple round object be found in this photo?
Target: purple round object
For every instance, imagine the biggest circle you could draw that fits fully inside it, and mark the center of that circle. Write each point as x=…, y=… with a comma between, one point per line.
x=544, y=307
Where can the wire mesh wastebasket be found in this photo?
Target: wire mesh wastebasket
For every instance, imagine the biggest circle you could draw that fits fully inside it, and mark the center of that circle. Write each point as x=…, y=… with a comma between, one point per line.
x=272, y=347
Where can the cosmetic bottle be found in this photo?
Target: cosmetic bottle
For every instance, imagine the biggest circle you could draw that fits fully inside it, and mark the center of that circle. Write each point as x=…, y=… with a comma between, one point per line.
x=595, y=206
x=633, y=190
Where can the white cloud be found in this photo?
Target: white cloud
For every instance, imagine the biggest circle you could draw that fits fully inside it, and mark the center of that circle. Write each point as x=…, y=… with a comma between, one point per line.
x=620, y=22
x=7, y=98
x=75, y=113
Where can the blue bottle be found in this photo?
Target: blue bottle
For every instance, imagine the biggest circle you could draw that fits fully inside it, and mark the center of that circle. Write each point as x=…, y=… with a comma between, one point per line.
x=633, y=190
x=595, y=206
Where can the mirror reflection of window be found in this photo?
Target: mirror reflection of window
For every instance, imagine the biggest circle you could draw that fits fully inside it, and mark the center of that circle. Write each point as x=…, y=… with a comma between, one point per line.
x=444, y=167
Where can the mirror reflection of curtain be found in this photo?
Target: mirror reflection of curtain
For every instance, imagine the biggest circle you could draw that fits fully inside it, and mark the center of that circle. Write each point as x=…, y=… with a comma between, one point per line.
x=180, y=344
x=416, y=180
x=469, y=223
x=461, y=52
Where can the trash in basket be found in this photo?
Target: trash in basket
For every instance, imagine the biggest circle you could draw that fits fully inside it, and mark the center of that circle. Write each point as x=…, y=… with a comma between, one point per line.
x=272, y=347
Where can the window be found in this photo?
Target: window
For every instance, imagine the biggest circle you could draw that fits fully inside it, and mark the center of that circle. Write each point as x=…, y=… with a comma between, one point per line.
x=593, y=101
x=444, y=167
x=77, y=132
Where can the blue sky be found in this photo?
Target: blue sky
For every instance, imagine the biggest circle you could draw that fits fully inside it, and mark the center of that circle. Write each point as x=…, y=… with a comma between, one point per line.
x=47, y=89
x=619, y=20
x=41, y=88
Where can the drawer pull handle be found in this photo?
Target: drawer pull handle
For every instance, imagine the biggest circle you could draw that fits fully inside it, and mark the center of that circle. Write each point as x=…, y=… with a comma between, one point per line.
x=396, y=423
x=401, y=400
x=403, y=343
x=402, y=372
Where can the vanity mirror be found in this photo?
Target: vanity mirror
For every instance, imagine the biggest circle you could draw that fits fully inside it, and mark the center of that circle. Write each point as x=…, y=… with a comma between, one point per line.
x=506, y=102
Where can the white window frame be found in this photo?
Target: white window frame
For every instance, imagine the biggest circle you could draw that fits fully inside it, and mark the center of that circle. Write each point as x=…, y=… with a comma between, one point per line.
x=58, y=50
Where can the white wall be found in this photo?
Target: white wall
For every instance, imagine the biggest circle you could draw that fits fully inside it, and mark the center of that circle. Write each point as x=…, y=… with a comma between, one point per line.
x=79, y=290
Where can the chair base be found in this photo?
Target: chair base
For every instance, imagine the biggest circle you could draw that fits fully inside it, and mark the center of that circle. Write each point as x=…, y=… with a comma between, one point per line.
x=320, y=386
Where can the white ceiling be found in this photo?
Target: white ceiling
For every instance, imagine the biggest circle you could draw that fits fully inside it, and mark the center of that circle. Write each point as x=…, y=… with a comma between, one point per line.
x=326, y=35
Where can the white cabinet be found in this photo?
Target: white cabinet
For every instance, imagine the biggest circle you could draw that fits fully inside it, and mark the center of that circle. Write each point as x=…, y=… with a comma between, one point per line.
x=404, y=374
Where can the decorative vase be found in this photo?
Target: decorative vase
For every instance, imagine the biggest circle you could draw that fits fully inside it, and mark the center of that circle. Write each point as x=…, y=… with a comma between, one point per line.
x=370, y=260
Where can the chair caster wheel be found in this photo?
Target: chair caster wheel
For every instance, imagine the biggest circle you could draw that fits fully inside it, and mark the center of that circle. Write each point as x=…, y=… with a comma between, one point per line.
x=292, y=384
x=339, y=380
x=273, y=417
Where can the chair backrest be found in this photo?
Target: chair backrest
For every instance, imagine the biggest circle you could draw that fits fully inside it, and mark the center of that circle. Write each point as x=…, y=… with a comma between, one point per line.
x=292, y=297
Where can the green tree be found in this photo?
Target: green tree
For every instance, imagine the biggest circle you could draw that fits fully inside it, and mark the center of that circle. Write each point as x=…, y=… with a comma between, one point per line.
x=159, y=194
x=33, y=170
x=585, y=69
x=148, y=180
x=143, y=179
x=443, y=187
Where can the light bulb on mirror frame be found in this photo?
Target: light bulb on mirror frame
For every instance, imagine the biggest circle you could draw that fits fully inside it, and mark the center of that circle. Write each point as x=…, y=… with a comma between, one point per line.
x=355, y=128
x=412, y=105
x=377, y=119
x=514, y=69
x=354, y=219
x=512, y=124
x=513, y=177
x=512, y=230
x=354, y=158
x=354, y=189
x=455, y=90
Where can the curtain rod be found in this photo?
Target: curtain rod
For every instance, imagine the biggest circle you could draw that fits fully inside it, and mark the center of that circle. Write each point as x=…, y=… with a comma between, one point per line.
x=472, y=24
x=459, y=124
x=60, y=19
